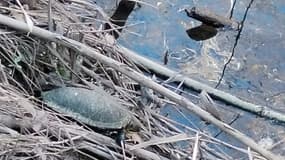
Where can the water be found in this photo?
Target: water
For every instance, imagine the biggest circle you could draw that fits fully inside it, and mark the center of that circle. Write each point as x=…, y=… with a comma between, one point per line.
x=256, y=74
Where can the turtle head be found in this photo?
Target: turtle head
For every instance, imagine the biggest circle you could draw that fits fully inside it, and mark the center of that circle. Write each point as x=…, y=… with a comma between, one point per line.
x=134, y=125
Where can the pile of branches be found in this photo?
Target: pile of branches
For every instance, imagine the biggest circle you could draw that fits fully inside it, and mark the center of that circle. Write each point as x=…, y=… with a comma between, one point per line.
x=66, y=47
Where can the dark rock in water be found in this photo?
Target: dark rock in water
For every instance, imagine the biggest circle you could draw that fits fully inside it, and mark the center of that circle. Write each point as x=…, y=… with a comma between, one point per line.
x=94, y=107
x=120, y=16
x=202, y=32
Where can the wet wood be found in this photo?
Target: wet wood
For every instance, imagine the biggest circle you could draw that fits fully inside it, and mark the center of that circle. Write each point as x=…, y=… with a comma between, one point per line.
x=210, y=18
x=120, y=17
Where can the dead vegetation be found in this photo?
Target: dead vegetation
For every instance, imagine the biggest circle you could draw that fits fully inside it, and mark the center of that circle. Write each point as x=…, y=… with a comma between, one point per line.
x=30, y=64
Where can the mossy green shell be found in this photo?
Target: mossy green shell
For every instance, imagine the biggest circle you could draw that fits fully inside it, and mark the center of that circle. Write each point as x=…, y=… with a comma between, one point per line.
x=93, y=107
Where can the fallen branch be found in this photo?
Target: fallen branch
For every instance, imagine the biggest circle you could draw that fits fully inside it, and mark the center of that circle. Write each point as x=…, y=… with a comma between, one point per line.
x=263, y=111
x=212, y=19
x=94, y=54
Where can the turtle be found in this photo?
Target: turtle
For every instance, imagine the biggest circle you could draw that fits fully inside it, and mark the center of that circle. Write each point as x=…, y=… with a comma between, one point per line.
x=95, y=108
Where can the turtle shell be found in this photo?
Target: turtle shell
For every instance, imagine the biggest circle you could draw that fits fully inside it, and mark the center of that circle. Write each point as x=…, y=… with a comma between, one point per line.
x=93, y=107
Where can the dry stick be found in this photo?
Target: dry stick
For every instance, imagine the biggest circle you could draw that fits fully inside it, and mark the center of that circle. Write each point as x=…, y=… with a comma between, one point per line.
x=196, y=147
x=177, y=77
x=156, y=141
x=94, y=54
x=50, y=28
x=3, y=77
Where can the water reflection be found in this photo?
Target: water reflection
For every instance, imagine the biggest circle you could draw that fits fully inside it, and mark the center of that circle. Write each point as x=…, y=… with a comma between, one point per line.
x=202, y=32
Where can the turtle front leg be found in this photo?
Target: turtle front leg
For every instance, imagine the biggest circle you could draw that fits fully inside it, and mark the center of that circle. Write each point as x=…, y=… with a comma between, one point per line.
x=121, y=141
x=121, y=137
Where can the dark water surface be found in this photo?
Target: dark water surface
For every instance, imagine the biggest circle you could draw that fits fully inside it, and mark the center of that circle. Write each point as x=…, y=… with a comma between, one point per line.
x=256, y=73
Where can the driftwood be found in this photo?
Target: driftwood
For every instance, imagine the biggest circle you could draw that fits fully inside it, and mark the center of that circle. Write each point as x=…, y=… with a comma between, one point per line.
x=212, y=19
x=131, y=73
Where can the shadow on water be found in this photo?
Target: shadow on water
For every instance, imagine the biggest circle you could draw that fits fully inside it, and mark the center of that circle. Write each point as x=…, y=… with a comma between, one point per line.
x=202, y=32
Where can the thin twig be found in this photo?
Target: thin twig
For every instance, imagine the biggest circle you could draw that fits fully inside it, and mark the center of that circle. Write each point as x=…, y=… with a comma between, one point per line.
x=235, y=44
